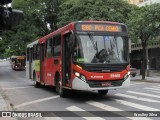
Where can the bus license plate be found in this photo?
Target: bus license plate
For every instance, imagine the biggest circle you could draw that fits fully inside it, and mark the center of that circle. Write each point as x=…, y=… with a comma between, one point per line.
x=106, y=84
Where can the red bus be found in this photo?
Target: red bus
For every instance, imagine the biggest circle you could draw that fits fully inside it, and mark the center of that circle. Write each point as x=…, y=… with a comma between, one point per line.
x=83, y=55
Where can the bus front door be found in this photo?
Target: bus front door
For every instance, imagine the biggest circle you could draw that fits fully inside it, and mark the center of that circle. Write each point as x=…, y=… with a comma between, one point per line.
x=42, y=64
x=66, y=61
x=30, y=62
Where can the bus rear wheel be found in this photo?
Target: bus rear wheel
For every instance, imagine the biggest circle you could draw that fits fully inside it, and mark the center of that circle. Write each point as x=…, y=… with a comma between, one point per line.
x=102, y=92
x=36, y=84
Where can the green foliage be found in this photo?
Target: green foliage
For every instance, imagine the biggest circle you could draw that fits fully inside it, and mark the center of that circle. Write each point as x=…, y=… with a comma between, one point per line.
x=110, y=10
x=39, y=15
x=17, y=39
x=36, y=16
x=144, y=23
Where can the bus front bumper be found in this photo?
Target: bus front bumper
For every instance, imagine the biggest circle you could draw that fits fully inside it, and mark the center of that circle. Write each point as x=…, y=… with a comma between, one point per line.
x=19, y=68
x=79, y=84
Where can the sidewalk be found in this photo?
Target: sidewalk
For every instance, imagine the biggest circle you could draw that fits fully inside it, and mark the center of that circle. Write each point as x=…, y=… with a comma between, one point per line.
x=154, y=76
x=5, y=106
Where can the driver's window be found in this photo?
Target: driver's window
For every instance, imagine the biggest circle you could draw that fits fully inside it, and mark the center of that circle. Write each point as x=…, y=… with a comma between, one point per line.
x=77, y=51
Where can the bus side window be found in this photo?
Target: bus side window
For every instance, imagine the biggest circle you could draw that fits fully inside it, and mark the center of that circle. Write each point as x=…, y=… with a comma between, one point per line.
x=27, y=54
x=34, y=52
x=42, y=51
x=57, y=46
x=45, y=50
x=52, y=46
x=31, y=54
x=49, y=46
x=37, y=51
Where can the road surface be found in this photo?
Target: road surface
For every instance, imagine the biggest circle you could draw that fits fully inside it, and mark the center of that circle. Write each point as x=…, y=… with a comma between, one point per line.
x=23, y=96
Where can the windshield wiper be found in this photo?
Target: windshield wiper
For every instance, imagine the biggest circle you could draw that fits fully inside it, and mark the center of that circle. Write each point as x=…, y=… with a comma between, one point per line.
x=115, y=42
x=93, y=41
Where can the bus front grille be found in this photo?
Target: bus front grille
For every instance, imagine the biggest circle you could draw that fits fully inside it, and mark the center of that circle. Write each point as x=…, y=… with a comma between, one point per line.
x=106, y=83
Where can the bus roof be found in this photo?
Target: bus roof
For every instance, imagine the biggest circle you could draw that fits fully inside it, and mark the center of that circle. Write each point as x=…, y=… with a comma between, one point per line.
x=33, y=43
x=17, y=56
x=71, y=27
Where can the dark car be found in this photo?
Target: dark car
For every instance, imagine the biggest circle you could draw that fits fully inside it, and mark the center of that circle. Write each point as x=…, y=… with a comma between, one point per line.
x=133, y=72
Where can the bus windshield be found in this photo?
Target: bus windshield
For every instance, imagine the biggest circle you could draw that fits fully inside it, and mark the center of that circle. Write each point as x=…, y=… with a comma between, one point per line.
x=92, y=48
x=20, y=62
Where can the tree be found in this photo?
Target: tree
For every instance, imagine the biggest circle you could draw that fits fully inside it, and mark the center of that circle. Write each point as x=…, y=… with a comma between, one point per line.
x=42, y=17
x=51, y=13
x=39, y=19
x=42, y=12
x=143, y=23
x=16, y=39
x=110, y=10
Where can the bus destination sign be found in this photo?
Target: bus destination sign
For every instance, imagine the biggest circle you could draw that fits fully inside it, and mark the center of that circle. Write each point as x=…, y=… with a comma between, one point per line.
x=99, y=27
x=20, y=58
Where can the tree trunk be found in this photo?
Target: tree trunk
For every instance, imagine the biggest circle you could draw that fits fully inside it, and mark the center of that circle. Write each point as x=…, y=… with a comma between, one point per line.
x=143, y=59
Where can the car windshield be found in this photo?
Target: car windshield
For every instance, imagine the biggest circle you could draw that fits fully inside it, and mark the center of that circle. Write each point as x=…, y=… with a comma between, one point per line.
x=100, y=49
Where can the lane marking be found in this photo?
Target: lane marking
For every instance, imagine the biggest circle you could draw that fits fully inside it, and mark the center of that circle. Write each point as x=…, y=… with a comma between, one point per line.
x=75, y=108
x=17, y=88
x=154, y=91
x=35, y=101
x=113, y=109
x=136, y=98
x=156, y=87
x=136, y=83
x=103, y=106
x=52, y=118
x=145, y=94
x=152, y=88
x=135, y=105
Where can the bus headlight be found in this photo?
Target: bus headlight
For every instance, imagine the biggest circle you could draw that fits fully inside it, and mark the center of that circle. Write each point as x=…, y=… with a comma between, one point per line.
x=77, y=74
x=80, y=76
x=127, y=75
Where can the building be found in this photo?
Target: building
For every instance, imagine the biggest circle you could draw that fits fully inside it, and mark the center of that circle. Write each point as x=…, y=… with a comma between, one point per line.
x=153, y=47
x=153, y=55
x=143, y=2
x=148, y=2
x=136, y=2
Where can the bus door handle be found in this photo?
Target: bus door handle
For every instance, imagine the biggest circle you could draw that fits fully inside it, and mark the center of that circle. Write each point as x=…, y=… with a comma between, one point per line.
x=55, y=62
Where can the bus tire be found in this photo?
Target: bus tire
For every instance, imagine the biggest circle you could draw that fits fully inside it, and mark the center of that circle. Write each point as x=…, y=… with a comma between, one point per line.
x=102, y=92
x=59, y=88
x=36, y=84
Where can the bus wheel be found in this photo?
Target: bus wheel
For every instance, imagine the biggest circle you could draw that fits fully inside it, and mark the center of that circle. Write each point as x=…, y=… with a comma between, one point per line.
x=59, y=88
x=36, y=84
x=102, y=92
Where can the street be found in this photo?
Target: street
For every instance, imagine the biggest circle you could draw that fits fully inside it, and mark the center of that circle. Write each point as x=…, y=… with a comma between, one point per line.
x=23, y=96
